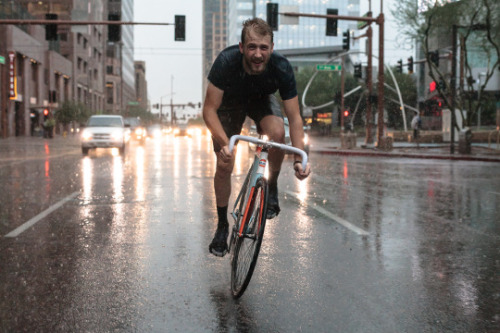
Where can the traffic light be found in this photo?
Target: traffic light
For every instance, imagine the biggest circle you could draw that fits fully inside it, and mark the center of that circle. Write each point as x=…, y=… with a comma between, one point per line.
x=114, y=30
x=442, y=85
x=346, y=113
x=346, y=41
x=434, y=57
x=180, y=28
x=357, y=71
x=51, y=29
x=45, y=114
x=410, y=65
x=272, y=15
x=399, y=67
x=331, y=24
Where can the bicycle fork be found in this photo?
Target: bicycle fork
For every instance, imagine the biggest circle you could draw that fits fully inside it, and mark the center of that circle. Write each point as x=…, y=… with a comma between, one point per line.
x=257, y=171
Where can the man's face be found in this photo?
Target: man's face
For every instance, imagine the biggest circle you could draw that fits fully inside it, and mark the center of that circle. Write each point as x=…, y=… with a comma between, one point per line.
x=256, y=52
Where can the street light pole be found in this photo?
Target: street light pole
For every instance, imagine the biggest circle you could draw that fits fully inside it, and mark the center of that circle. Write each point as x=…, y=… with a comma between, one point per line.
x=172, y=114
x=453, y=83
x=479, y=100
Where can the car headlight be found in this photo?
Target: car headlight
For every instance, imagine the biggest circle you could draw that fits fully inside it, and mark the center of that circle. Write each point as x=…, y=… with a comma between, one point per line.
x=117, y=136
x=139, y=131
x=86, y=135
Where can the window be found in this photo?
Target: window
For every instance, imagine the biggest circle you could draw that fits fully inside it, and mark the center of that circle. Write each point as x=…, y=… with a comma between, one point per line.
x=109, y=92
x=109, y=70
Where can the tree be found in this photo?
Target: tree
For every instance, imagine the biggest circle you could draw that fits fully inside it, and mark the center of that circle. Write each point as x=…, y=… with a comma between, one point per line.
x=324, y=88
x=136, y=111
x=72, y=111
x=478, y=28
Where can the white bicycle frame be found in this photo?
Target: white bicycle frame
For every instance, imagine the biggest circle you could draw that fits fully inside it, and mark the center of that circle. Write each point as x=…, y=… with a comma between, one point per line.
x=258, y=169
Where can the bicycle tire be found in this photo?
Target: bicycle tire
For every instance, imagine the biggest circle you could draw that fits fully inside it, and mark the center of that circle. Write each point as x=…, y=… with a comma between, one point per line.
x=247, y=246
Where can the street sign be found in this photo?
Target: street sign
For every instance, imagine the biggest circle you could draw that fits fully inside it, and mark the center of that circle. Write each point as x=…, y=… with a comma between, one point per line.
x=363, y=24
x=329, y=67
x=2, y=60
x=133, y=103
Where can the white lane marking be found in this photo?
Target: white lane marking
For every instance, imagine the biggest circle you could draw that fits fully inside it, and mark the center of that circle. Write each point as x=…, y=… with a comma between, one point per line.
x=28, y=224
x=334, y=217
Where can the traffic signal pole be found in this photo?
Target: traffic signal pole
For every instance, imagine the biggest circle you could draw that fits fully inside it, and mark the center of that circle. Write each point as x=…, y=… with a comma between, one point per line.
x=342, y=80
x=379, y=20
x=369, y=80
x=70, y=22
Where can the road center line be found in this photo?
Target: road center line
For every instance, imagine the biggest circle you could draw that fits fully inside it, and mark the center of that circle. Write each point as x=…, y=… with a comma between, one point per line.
x=28, y=224
x=333, y=217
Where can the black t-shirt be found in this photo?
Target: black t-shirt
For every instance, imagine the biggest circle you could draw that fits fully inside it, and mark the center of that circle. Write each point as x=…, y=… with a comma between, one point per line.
x=227, y=74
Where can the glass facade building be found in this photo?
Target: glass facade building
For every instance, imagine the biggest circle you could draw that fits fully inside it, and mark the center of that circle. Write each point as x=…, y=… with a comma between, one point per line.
x=310, y=32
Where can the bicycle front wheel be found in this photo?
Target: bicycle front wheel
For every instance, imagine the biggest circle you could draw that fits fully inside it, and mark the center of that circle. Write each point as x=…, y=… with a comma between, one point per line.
x=247, y=245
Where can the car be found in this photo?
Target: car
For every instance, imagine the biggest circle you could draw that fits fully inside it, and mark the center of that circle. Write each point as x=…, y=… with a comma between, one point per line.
x=104, y=131
x=182, y=130
x=154, y=131
x=137, y=130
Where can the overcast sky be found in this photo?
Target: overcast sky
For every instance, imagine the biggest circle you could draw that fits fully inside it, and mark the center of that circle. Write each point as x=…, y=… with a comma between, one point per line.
x=166, y=59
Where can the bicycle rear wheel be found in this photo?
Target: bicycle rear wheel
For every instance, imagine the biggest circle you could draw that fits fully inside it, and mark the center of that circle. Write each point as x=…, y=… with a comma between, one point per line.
x=247, y=246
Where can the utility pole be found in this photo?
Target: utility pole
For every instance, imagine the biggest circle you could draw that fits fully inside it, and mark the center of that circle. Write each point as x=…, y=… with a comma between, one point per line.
x=380, y=22
x=380, y=94
x=172, y=114
x=368, y=139
x=369, y=36
x=453, y=83
x=342, y=79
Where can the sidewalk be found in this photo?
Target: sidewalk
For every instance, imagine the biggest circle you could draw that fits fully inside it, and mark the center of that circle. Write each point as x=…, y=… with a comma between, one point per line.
x=31, y=148
x=479, y=152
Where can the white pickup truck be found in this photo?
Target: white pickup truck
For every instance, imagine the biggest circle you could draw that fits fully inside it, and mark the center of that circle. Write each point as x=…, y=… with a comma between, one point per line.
x=105, y=131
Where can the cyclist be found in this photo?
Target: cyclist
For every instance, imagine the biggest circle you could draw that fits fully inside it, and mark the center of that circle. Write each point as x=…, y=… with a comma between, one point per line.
x=242, y=82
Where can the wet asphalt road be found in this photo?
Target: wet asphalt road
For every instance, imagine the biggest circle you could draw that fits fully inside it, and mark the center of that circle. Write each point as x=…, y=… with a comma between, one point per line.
x=105, y=243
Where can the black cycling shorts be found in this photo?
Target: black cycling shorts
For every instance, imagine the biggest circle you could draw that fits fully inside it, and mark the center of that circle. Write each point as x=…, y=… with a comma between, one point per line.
x=232, y=114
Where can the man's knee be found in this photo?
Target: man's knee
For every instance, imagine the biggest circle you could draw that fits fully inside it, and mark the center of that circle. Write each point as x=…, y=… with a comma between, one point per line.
x=224, y=168
x=273, y=127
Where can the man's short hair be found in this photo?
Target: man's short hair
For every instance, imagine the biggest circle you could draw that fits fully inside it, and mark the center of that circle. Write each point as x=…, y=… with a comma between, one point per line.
x=259, y=26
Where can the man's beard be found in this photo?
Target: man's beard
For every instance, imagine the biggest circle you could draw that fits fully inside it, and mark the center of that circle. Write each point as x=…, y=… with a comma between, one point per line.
x=254, y=70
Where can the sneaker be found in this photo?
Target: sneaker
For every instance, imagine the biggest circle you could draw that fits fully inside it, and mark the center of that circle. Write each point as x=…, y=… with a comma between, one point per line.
x=273, y=205
x=219, y=247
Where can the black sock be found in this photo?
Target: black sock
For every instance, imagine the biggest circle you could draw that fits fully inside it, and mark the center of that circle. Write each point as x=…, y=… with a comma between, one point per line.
x=273, y=181
x=222, y=213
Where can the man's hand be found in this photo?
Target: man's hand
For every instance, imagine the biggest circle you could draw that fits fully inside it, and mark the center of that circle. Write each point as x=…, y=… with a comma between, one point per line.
x=299, y=172
x=225, y=155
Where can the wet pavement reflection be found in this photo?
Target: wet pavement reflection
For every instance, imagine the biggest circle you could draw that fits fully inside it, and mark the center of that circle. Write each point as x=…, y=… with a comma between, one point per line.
x=120, y=243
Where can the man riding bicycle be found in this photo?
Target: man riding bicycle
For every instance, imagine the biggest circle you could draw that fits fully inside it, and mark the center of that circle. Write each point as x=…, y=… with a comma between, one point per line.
x=242, y=82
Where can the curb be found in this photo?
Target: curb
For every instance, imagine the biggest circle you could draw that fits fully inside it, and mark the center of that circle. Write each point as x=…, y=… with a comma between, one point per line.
x=406, y=155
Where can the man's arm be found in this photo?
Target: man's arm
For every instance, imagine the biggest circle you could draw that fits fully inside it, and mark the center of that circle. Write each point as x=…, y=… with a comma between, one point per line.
x=213, y=99
x=292, y=112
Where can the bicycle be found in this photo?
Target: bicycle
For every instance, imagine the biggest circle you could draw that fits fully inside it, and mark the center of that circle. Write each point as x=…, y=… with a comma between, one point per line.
x=249, y=213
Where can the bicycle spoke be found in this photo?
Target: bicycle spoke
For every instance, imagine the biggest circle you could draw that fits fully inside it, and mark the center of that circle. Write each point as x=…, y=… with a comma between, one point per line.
x=247, y=246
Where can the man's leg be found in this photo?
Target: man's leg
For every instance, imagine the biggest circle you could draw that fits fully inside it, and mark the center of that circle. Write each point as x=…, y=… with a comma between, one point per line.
x=231, y=121
x=222, y=186
x=273, y=127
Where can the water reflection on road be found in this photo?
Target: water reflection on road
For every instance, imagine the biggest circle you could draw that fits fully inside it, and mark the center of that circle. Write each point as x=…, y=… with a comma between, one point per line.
x=364, y=244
